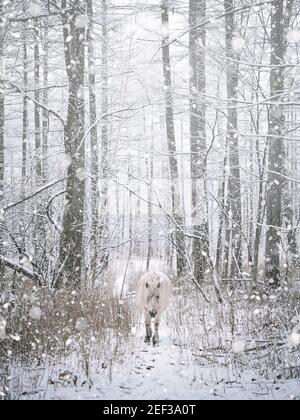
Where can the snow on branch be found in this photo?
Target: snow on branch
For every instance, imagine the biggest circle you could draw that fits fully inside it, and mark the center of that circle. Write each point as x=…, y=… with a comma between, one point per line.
x=35, y=13
x=25, y=271
x=209, y=21
x=22, y=92
x=37, y=192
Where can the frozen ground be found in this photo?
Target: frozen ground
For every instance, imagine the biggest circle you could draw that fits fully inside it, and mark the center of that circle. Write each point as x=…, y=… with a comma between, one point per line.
x=168, y=372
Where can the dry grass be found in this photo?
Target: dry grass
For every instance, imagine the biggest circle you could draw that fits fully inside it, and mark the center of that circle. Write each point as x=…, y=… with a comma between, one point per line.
x=255, y=322
x=45, y=326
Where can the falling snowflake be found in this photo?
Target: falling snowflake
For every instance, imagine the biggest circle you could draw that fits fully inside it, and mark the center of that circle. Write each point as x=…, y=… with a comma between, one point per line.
x=293, y=339
x=80, y=174
x=238, y=346
x=15, y=337
x=2, y=328
x=81, y=324
x=81, y=21
x=69, y=342
x=296, y=320
x=35, y=313
x=293, y=35
x=80, y=92
x=34, y=10
x=165, y=30
x=66, y=161
x=238, y=43
x=277, y=113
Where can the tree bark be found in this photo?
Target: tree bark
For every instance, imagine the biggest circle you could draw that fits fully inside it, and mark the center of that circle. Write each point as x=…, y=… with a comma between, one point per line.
x=104, y=165
x=276, y=183
x=37, y=121
x=25, y=114
x=261, y=208
x=234, y=184
x=2, y=121
x=177, y=211
x=45, y=102
x=150, y=174
x=290, y=204
x=197, y=12
x=71, y=242
x=222, y=221
x=94, y=141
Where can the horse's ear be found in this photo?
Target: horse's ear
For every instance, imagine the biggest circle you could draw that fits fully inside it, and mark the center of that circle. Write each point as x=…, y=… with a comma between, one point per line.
x=147, y=285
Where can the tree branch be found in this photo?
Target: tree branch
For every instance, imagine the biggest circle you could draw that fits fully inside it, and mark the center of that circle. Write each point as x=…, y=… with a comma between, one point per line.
x=13, y=265
x=22, y=92
x=37, y=192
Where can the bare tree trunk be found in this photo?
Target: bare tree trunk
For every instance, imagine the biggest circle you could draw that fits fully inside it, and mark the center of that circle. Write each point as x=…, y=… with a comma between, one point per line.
x=293, y=260
x=130, y=223
x=2, y=121
x=276, y=170
x=198, y=136
x=24, y=123
x=290, y=204
x=261, y=208
x=39, y=231
x=182, y=164
x=104, y=231
x=222, y=222
x=250, y=209
x=150, y=174
x=37, y=121
x=45, y=103
x=71, y=242
x=25, y=114
x=177, y=211
x=234, y=185
x=94, y=141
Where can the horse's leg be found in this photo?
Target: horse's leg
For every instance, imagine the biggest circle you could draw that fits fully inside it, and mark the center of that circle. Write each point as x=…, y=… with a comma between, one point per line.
x=155, y=339
x=148, y=327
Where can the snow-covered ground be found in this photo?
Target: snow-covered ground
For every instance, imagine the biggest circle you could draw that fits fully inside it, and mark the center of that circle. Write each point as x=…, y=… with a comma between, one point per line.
x=169, y=372
x=195, y=359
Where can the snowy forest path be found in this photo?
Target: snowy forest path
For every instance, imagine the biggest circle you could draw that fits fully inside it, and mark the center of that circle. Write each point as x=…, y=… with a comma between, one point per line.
x=169, y=372
x=160, y=372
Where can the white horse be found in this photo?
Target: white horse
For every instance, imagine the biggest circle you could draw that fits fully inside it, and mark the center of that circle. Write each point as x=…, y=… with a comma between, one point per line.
x=153, y=294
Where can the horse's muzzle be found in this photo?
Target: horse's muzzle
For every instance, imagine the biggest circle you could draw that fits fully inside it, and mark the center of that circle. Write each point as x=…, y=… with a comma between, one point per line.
x=153, y=313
